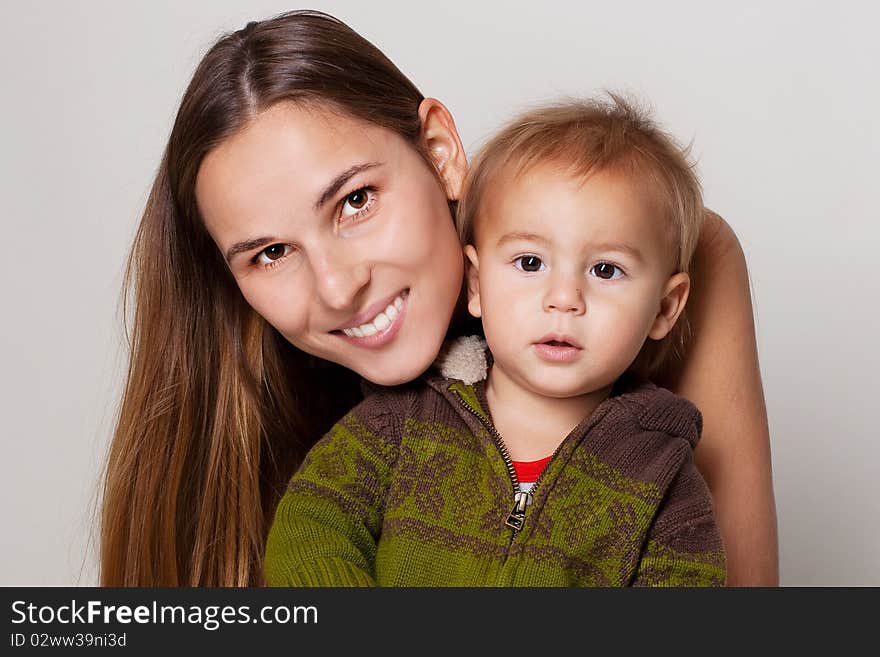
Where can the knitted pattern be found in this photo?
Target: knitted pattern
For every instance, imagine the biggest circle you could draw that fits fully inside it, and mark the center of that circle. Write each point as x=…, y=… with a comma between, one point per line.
x=411, y=489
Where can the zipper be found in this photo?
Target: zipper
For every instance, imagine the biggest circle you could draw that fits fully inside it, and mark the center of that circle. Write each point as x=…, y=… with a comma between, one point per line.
x=546, y=467
x=516, y=517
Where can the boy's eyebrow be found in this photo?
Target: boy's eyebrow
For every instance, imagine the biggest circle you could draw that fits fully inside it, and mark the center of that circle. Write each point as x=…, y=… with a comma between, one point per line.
x=621, y=248
x=525, y=236
x=522, y=236
x=340, y=180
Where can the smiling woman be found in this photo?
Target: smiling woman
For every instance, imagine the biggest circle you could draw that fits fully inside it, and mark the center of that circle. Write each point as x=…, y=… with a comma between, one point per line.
x=299, y=235
x=302, y=210
x=363, y=267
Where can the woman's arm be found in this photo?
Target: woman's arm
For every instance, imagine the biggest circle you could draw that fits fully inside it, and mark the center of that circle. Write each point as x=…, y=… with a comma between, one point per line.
x=720, y=375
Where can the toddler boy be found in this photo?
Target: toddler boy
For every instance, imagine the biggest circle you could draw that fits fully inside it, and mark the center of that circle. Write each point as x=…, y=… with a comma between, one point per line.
x=560, y=465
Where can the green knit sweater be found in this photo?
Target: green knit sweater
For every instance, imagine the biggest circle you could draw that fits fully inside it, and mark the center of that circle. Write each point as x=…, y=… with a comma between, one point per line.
x=414, y=488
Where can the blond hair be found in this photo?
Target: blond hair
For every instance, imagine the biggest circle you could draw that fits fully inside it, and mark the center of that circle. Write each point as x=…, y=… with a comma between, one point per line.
x=589, y=136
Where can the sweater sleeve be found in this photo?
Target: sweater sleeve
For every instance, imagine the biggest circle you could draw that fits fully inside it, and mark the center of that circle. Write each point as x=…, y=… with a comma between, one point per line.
x=683, y=546
x=327, y=524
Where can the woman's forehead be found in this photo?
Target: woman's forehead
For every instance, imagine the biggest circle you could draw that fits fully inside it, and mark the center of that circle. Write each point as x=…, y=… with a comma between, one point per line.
x=291, y=161
x=300, y=138
x=291, y=149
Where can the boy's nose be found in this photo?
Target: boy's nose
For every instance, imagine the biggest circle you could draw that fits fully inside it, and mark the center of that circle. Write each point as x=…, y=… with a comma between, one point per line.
x=566, y=295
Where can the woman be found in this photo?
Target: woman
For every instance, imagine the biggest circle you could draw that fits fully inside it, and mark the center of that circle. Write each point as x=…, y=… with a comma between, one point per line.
x=298, y=237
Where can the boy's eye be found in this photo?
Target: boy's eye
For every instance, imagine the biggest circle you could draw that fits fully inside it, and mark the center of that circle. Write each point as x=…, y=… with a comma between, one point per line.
x=355, y=201
x=529, y=263
x=607, y=271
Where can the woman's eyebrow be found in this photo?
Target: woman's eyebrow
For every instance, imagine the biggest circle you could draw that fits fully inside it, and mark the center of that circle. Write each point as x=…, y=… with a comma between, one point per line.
x=247, y=245
x=328, y=193
x=340, y=180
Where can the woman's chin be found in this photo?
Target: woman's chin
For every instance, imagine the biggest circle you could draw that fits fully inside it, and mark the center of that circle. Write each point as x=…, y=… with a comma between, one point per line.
x=393, y=374
x=400, y=366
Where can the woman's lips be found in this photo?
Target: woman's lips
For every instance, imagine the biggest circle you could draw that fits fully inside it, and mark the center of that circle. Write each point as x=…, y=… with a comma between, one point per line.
x=382, y=328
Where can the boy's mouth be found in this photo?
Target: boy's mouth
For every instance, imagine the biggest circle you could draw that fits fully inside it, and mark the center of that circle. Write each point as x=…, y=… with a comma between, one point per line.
x=560, y=341
x=558, y=348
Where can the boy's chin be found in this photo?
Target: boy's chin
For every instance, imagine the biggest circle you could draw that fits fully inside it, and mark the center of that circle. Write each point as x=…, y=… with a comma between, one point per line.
x=557, y=389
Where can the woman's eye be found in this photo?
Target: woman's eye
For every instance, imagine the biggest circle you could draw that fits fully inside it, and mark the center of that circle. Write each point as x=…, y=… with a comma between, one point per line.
x=606, y=271
x=356, y=201
x=529, y=263
x=272, y=254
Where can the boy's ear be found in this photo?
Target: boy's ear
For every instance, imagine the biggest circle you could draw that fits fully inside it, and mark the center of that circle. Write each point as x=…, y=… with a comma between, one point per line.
x=443, y=145
x=675, y=295
x=473, y=281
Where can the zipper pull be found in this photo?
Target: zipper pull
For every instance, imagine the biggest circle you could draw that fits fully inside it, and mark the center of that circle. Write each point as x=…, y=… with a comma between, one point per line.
x=518, y=515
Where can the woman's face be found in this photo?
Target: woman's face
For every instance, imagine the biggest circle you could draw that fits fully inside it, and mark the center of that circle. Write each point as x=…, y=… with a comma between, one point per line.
x=339, y=235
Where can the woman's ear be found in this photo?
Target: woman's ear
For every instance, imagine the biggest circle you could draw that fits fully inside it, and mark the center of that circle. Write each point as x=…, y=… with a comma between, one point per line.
x=675, y=295
x=443, y=145
x=473, y=281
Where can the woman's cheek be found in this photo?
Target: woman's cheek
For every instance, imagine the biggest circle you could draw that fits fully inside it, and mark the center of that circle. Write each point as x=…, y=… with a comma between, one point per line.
x=432, y=234
x=286, y=313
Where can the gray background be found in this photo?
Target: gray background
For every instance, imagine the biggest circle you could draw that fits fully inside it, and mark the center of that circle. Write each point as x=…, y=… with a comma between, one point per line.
x=780, y=99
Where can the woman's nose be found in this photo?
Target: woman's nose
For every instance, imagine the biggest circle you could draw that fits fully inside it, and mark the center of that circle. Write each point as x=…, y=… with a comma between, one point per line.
x=565, y=294
x=338, y=281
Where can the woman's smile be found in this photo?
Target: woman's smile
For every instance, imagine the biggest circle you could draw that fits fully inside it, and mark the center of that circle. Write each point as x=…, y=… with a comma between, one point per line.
x=378, y=324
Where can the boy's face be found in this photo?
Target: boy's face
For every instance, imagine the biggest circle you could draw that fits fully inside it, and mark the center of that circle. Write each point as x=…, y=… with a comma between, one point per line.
x=570, y=278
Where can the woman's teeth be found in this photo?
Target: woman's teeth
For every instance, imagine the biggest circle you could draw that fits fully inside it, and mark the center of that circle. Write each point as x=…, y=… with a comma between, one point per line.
x=379, y=323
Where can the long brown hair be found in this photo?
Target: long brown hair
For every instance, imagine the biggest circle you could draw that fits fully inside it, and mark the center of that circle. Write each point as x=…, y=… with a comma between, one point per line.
x=218, y=407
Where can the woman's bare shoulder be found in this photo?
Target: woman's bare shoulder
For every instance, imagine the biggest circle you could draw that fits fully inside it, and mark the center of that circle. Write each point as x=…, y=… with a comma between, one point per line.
x=718, y=238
